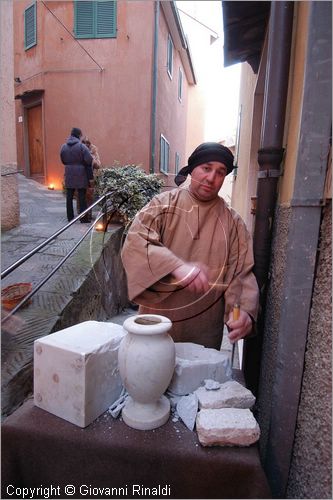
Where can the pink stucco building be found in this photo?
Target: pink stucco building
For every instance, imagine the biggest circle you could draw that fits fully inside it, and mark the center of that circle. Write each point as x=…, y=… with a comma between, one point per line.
x=121, y=71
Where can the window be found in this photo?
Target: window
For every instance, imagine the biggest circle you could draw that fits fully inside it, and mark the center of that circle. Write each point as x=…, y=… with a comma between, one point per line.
x=30, y=26
x=170, y=56
x=95, y=19
x=180, y=84
x=164, y=155
x=177, y=162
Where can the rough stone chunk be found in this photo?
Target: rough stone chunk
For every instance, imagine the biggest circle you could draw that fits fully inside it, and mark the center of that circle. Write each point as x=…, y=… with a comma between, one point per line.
x=76, y=374
x=231, y=394
x=227, y=427
x=187, y=409
x=211, y=385
x=194, y=364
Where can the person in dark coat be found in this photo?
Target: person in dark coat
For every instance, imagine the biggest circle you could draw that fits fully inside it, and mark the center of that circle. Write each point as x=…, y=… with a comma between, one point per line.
x=78, y=171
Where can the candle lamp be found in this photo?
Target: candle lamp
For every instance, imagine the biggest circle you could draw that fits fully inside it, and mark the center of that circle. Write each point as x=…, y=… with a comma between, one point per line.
x=99, y=226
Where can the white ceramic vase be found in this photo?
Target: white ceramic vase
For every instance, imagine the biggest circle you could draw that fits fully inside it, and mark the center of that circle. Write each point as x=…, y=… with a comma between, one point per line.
x=146, y=360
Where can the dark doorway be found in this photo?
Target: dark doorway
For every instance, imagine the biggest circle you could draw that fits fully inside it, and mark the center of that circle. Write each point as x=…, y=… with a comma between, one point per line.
x=35, y=143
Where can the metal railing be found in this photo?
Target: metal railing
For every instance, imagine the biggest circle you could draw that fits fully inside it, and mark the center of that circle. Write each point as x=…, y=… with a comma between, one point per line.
x=104, y=216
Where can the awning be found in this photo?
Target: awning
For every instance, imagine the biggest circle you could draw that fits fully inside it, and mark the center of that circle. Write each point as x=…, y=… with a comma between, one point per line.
x=244, y=25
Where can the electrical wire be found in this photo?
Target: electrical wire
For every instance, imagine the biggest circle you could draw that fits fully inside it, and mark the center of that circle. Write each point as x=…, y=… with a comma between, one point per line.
x=71, y=34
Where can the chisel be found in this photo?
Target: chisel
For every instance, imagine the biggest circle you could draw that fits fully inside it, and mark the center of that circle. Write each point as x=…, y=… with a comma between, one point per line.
x=235, y=316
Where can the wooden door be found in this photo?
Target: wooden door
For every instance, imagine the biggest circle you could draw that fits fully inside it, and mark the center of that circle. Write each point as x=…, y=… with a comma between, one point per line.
x=35, y=141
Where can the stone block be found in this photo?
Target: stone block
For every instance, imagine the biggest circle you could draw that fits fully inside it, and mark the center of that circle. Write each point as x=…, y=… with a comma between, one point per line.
x=194, y=364
x=227, y=427
x=187, y=409
x=76, y=373
x=231, y=394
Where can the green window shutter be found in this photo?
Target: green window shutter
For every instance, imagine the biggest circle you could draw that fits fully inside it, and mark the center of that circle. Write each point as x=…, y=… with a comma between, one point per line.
x=84, y=19
x=30, y=26
x=95, y=19
x=106, y=19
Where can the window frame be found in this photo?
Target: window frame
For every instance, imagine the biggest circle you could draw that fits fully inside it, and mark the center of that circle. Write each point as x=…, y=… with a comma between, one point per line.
x=170, y=49
x=94, y=34
x=34, y=7
x=164, y=155
x=180, y=84
x=177, y=162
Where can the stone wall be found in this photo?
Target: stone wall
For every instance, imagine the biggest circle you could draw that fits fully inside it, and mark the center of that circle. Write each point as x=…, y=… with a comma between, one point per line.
x=10, y=209
x=272, y=321
x=10, y=215
x=310, y=470
x=311, y=467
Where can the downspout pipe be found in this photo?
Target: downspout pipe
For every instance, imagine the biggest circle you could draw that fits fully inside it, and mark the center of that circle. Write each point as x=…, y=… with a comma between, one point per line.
x=154, y=88
x=270, y=156
x=271, y=150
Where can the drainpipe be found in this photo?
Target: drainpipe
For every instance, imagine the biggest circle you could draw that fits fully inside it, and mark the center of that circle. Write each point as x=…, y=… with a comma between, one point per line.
x=270, y=156
x=154, y=88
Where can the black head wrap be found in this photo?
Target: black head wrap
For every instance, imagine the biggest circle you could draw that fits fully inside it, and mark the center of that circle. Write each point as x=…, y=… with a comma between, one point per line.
x=76, y=132
x=206, y=152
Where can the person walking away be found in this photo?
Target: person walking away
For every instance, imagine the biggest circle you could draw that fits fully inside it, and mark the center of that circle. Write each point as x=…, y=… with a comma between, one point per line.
x=188, y=256
x=78, y=171
x=96, y=165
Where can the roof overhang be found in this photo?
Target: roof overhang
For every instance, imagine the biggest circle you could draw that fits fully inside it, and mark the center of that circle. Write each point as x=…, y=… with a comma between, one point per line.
x=244, y=25
x=179, y=39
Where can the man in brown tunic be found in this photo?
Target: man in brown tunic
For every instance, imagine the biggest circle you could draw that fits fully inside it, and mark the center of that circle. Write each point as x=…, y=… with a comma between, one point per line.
x=188, y=256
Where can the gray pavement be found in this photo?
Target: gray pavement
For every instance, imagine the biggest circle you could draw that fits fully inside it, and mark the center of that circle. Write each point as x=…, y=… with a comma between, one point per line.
x=42, y=213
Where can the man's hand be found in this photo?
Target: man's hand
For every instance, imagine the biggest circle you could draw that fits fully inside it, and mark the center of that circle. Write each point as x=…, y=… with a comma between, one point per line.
x=240, y=327
x=192, y=276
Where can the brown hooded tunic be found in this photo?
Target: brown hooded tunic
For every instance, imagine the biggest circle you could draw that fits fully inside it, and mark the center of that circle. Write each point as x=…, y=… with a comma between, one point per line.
x=175, y=227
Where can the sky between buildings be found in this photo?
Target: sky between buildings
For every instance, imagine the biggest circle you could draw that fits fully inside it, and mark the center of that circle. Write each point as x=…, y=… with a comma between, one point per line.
x=221, y=85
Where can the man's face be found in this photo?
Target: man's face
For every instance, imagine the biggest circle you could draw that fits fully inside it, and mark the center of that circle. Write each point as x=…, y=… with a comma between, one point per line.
x=207, y=179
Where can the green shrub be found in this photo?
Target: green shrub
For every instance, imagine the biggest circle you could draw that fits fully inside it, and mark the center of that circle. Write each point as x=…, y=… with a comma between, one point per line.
x=131, y=189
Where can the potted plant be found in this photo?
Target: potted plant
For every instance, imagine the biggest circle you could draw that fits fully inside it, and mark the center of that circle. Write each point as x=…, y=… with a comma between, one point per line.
x=131, y=190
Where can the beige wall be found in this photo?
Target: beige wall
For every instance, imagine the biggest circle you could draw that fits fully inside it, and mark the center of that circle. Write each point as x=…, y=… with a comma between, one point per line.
x=251, y=100
x=294, y=108
x=243, y=186
x=9, y=191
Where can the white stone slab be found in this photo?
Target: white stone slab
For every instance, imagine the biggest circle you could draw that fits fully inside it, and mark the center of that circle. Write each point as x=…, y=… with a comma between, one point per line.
x=231, y=394
x=194, y=364
x=76, y=373
x=227, y=427
x=187, y=409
